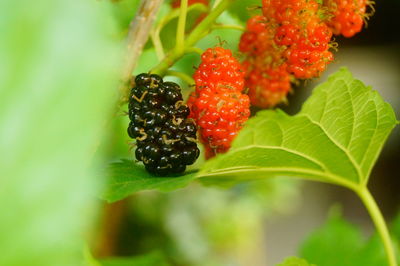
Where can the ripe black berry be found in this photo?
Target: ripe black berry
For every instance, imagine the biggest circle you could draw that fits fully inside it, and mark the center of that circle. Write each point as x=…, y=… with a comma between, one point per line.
x=165, y=137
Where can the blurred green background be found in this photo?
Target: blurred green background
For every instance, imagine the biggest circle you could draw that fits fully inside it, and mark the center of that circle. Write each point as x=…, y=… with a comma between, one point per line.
x=59, y=70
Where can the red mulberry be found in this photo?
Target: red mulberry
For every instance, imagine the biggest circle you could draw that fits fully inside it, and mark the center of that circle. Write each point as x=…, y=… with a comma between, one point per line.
x=218, y=106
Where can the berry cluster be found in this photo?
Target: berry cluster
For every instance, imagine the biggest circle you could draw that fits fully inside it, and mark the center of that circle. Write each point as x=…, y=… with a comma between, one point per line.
x=346, y=17
x=218, y=105
x=289, y=39
x=266, y=75
x=165, y=136
x=301, y=30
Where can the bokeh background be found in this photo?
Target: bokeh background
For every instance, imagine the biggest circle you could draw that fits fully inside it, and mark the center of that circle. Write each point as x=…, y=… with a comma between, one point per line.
x=59, y=65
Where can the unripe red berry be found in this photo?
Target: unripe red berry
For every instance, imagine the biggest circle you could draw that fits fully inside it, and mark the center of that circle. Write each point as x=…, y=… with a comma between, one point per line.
x=218, y=105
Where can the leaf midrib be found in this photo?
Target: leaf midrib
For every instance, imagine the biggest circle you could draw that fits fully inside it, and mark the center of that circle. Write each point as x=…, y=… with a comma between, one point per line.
x=336, y=179
x=330, y=177
x=307, y=157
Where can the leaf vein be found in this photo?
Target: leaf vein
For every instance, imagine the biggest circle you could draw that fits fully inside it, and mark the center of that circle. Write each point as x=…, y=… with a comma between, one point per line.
x=351, y=158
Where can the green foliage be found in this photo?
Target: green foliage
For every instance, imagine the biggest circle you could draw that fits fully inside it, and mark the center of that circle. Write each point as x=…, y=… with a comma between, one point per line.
x=154, y=258
x=293, y=261
x=336, y=138
x=340, y=243
x=57, y=73
x=127, y=177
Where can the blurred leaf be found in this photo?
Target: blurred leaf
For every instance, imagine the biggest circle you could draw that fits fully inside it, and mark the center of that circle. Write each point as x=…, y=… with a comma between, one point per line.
x=340, y=243
x=57, y=84
x=151, y=259
x=336, y=137
x=334, y=244
x=293, y=261
x=127, y=177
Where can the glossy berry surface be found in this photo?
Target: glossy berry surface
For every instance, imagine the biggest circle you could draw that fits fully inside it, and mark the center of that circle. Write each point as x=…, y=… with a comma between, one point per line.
x=165, y=136
x=218, y=105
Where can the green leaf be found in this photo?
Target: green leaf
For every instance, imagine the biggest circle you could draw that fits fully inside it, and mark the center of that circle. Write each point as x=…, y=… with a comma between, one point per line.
x=294, y=261
x=336, y=138
x=340, y=243
x=154, y=258
x=334, y=244
x=127, y=177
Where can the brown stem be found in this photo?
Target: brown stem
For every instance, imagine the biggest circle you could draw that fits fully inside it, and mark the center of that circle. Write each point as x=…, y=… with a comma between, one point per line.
x=139, y=31
x=109, y=229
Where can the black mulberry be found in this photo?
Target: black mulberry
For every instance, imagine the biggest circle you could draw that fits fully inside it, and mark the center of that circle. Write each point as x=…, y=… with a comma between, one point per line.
x=165, y=136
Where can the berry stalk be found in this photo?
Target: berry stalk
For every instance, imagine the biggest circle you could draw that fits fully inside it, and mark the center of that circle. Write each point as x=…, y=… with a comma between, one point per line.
x=180, y=33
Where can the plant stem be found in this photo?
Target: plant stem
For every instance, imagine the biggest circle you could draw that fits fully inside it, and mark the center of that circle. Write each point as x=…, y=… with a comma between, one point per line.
x=180, y=33
x=137, y=37
x=379, y=222
x=194, y=50
x=199, y=32
x=157, y=45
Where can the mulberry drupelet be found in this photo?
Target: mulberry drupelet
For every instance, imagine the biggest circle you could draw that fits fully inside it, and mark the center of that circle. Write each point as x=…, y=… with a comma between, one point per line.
x=165, y=136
